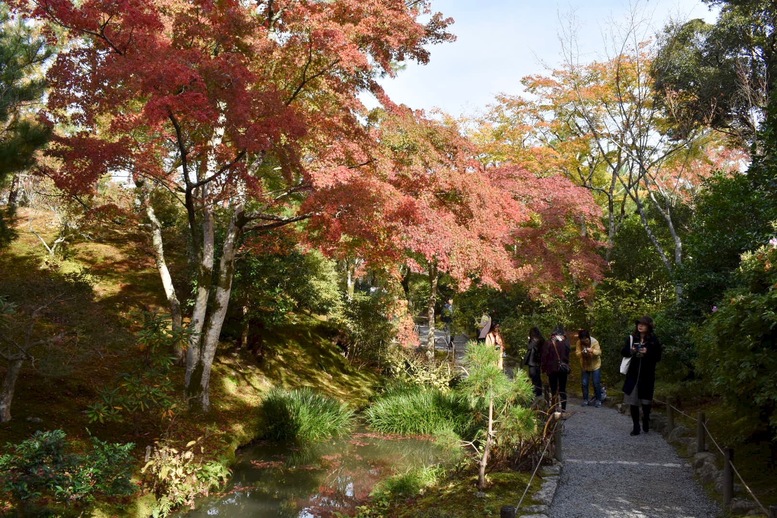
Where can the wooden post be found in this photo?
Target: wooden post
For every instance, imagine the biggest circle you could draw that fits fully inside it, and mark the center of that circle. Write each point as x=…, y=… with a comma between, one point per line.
x=557, y=438
x=700, y=434
x=508, y=511
x=728, y=476
x=670, y=415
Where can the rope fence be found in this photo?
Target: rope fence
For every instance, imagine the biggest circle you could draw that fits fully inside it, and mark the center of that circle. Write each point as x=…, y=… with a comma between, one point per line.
x=554, y=435
x=702, y=432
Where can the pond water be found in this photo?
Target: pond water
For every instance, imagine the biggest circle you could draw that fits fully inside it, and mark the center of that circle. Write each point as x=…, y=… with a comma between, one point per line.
x=272, y=480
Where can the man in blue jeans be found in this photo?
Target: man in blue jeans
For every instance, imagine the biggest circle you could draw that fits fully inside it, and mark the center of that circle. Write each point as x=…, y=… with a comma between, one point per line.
x=590, y=355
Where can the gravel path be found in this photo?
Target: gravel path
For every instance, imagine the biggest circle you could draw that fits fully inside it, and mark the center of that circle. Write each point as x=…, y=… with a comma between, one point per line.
x=608, y=473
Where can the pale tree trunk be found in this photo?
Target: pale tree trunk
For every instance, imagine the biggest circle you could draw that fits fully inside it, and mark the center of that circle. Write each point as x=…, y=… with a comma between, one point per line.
x=666, y=213
x=434, y=277
x=9, y=383
x=157, y=242
x=350, y=282
x=487, y=447
x=205, y=258
x=217, y=313
x=164, y=271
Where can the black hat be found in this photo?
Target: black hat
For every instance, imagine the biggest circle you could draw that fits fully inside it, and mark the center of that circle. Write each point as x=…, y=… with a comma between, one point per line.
x=558, y=330
x=644, y=320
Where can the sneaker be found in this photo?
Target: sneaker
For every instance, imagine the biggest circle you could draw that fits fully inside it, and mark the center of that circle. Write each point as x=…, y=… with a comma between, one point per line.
x=598, y=404
x=585, y=403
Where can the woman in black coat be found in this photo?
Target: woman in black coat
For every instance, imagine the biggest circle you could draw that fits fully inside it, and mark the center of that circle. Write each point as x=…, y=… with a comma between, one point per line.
x=555, y=352
x=533, y=359
x=644, y=349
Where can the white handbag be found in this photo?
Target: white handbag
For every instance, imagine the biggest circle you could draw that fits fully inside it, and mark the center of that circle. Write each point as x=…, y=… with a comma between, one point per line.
x=625, y=362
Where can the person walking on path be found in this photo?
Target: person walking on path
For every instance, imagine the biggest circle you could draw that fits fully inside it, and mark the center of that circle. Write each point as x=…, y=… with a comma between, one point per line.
x=485, y=326
x=644, y=349
x=533, y=359
x=555, y=363
x=606, y=473
x=494, y=339
x=590, y=355
x=446, y=315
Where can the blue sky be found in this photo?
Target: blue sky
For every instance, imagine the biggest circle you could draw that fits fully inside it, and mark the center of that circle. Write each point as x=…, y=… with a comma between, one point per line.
x=501, y=41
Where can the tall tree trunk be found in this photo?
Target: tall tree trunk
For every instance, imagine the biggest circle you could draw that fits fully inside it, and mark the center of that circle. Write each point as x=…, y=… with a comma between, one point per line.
x=434, y=277
x=350, y=283
x=205, y=258
x=13, y=193
x=9, y=384
x=245, y=328
x=218, y=311
x=164, y=273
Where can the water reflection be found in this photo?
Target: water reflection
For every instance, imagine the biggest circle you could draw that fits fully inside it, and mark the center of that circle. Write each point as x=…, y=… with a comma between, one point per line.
x=332, y=477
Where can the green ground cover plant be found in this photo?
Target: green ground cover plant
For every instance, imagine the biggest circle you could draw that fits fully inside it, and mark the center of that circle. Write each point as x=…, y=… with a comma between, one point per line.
x=45, y=470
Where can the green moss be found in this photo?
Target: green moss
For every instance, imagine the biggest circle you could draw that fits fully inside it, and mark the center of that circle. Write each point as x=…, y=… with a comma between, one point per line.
x=459, y=498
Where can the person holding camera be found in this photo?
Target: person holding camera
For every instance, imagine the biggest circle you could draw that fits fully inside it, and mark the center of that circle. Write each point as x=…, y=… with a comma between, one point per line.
x=644, y=349
x=590, y=355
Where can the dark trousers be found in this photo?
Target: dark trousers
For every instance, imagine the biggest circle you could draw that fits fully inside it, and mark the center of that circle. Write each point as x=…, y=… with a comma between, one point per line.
x=558, y=386
x=535, y=374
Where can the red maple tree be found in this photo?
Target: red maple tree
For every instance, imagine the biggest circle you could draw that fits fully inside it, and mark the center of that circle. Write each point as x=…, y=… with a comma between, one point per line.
x=436, y=208
x=238, y=110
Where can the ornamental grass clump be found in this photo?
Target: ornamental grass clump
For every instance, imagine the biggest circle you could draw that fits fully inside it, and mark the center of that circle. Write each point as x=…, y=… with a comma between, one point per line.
x=303, y=415
x=425, y=411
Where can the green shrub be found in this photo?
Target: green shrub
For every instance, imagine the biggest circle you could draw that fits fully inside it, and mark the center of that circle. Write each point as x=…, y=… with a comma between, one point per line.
x=737, y=343
x=412, y=369
x=149, y=387
x=303, y=415
x=177, y=477
x=43, y=467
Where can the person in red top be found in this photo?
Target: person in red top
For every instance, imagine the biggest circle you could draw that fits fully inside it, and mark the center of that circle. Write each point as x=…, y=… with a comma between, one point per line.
x=555, y=363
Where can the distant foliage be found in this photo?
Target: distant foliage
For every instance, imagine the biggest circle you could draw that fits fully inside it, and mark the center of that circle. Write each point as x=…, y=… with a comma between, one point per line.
x=737, y=343
x=369, y=327
x=303, y=415
x=45, y=466
x=274, y=285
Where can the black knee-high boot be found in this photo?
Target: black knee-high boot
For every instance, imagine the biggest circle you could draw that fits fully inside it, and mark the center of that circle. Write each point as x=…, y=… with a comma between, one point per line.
x=645, y=418
x=635, y=419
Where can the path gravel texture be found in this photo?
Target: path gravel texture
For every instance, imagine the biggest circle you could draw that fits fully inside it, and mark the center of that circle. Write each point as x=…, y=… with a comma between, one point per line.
x=608, y=473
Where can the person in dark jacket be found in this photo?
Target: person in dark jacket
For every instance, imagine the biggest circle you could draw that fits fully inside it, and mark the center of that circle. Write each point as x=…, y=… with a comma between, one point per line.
x=644, y=349
x=533, y=359
x=555, y=355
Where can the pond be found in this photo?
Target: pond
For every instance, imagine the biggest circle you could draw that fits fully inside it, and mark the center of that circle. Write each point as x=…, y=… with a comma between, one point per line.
x=272, y=480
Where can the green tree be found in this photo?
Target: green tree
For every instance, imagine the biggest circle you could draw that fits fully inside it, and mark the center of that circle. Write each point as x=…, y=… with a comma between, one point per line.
x=22, y=53
x=737, y=343
x=730, y=218
x=719, y=75
x=499, y=398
